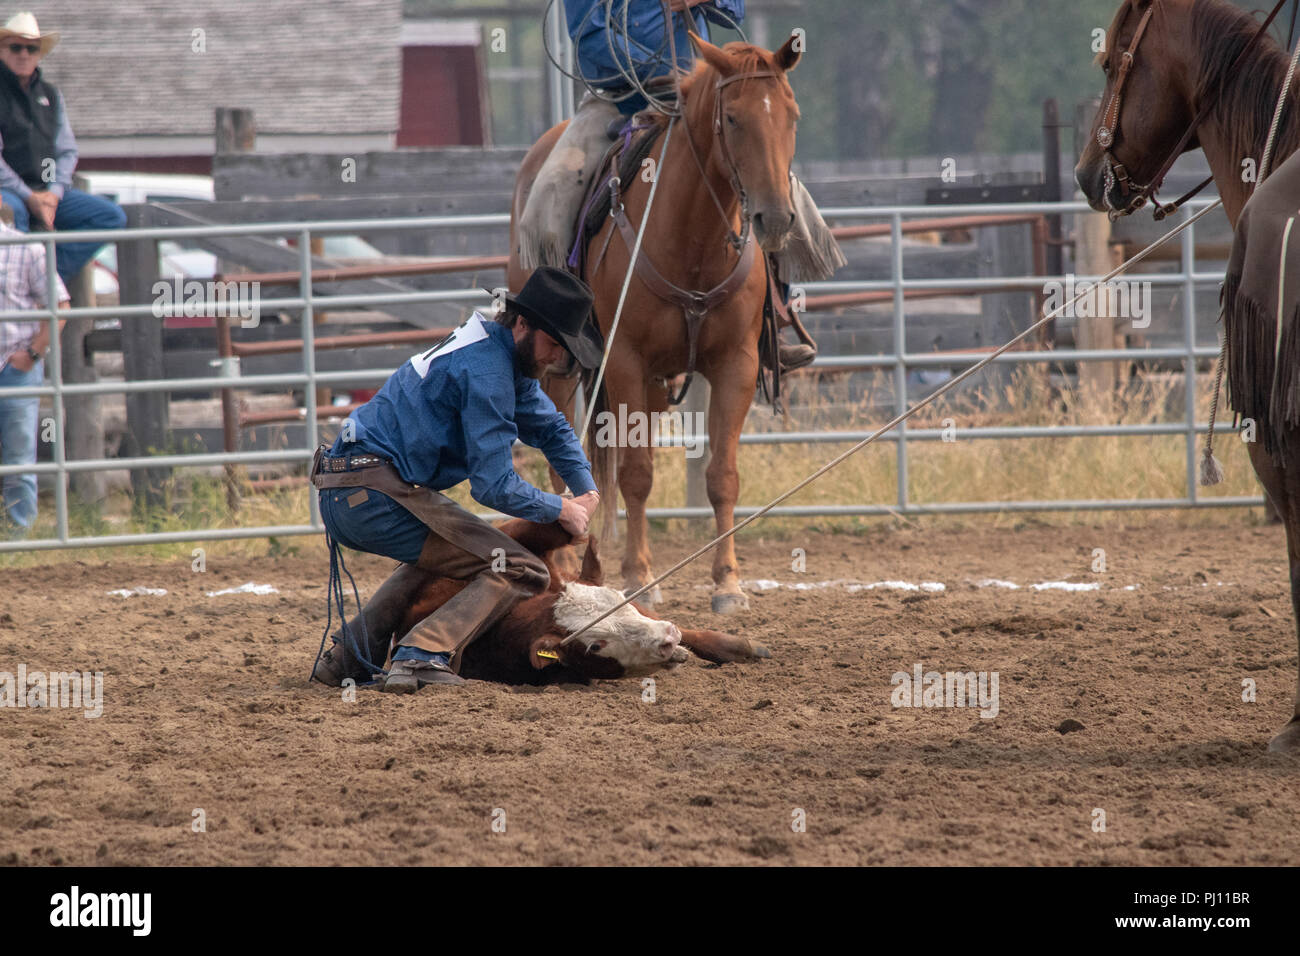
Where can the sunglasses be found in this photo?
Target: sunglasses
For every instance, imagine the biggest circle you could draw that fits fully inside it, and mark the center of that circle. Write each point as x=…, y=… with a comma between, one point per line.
x=17, y=48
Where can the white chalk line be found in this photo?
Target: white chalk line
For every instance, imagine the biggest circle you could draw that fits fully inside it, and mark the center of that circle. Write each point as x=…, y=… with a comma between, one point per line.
x=852, y=586
x=142, y=591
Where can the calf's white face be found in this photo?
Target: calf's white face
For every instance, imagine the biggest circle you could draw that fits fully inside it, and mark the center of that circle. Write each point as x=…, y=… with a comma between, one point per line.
x=641, y=644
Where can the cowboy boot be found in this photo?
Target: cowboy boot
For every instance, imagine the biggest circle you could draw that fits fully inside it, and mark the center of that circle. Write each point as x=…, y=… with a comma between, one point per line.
x=796, y=356
x=408, y=676
x=381, y=616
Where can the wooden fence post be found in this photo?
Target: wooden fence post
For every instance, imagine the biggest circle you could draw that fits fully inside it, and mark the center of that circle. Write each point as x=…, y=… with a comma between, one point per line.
x=236, y=130
x=1095, y=256
x=83, y=427
x=147, y=415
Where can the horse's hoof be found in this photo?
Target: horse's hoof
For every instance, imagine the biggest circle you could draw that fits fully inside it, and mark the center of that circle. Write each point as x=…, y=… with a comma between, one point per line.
x=1288, y=741
x=650, y=598
x=730, y=603
x=760, y=651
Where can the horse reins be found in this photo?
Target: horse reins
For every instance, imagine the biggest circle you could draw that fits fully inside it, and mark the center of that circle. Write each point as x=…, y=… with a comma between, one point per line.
x=1116, y=172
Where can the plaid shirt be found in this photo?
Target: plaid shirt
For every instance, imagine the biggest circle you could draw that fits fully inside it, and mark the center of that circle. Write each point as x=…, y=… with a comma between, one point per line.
x=22, y=286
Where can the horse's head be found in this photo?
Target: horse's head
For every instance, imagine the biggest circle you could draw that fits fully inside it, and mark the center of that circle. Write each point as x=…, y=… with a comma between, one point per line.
x=742, y=91
x=1146, y=106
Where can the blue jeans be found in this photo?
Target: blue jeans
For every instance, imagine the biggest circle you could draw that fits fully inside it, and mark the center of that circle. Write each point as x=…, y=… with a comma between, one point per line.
x=380, y=525
x=18, y=423
x=77, y=210
x=377, y=524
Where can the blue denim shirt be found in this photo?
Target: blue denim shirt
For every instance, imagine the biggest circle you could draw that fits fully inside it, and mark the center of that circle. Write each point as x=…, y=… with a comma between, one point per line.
x=454, y=411
x=645, y=36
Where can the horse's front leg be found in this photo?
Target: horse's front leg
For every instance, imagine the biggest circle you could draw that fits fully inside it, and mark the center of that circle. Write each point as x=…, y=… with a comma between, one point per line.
x=733, y=385
x=628, y=425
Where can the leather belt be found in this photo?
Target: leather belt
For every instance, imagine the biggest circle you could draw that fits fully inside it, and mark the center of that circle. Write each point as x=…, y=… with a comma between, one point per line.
x=351, y=462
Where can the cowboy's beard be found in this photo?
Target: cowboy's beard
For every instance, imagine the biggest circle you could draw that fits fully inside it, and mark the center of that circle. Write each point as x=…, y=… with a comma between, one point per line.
x=526, y=355
x=526, y=358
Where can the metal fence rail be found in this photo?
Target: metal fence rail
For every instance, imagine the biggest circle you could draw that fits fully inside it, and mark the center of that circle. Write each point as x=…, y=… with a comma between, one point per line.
x=899, y=360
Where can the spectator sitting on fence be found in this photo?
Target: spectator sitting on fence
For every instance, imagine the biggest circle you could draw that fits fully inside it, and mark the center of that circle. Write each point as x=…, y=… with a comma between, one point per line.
x=38, y=153
x=23, y=284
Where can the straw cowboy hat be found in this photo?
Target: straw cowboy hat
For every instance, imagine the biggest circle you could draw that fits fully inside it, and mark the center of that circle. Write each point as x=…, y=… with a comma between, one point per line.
x=23, y=27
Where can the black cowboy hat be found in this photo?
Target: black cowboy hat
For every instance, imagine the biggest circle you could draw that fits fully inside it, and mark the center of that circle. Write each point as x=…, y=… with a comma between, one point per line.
x=559, y=303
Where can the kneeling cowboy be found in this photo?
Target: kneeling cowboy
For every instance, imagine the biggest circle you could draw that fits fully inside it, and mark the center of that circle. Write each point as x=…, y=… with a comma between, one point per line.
x=451, y=413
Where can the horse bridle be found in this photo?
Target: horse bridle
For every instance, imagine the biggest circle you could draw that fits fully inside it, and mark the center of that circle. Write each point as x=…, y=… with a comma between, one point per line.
x=1108, y=126
x=1116, y=172
x=737, y=240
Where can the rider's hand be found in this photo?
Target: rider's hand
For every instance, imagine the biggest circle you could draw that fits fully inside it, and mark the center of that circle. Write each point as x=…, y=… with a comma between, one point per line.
x=574, y=516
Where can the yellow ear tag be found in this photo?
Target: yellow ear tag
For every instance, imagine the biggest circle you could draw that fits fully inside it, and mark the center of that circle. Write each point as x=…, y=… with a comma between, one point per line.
x=549, y=655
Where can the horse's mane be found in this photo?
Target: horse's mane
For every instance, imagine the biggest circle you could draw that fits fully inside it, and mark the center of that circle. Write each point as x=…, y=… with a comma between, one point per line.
x=1244, y=98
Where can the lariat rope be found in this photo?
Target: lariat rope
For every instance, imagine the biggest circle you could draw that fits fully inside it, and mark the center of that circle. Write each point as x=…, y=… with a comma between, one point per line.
x=335, y=596
x=1211, y=470
x=898, y=419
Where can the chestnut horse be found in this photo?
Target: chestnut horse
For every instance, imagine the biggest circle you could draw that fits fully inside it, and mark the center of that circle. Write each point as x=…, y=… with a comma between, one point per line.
x=1186, y=67
x=686, y=241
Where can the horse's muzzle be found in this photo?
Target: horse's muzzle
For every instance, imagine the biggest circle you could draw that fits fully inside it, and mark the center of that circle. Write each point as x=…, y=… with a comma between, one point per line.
x=772, y=228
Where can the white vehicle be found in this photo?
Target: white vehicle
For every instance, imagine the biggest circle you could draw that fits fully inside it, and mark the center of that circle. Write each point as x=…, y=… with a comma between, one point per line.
x=175, y=258
x=178, y=257
x=148, y=187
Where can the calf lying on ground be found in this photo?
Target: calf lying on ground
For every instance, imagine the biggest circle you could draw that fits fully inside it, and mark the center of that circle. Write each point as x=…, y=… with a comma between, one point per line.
x=528, y=645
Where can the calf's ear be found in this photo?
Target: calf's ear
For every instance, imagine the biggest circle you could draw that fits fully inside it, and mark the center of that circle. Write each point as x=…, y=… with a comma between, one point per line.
x=545, y=651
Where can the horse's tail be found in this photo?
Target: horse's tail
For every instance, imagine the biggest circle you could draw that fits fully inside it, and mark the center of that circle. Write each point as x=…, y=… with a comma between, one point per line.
x=604, y=460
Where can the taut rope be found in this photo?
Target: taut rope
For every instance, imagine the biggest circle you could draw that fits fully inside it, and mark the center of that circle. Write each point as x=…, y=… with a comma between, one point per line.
x=947, y=387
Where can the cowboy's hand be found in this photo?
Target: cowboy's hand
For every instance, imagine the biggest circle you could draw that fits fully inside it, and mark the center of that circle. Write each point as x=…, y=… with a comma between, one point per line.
x=573, y=517
x=20, y=361
x=589, y=501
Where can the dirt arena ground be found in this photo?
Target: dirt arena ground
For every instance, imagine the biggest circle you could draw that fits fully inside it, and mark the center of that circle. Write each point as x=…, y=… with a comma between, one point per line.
x=206, y=706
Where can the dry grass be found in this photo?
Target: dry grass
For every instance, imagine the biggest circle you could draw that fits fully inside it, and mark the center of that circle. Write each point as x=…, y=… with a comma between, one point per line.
x=969, y=469
x=964, y=470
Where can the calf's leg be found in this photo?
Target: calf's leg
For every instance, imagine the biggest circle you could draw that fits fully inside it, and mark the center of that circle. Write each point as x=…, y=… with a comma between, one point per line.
x=722, y=648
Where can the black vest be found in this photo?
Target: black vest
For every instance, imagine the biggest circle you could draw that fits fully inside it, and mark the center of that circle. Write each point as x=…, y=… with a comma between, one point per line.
x=28, y=122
